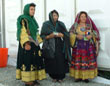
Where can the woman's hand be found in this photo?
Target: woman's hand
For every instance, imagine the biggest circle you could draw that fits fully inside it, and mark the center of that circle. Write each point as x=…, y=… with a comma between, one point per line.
x=60, y=35
x=50, y=36
x=88, y=37
x=27, y=46
x=80, y=37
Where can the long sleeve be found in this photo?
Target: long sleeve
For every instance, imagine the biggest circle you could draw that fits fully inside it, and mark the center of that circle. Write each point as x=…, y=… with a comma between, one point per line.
x=24, y=35
x=72, y=39
x=46, y=30
x=39, y=39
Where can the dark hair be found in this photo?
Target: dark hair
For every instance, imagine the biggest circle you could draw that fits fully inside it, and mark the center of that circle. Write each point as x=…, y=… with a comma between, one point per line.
x=82, y=12
x=32, y=4
x=54, y=11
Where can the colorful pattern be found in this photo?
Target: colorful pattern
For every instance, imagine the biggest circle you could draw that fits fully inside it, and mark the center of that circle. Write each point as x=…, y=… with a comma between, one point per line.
x=90, y=26
x=83, y=60
x=84, y=63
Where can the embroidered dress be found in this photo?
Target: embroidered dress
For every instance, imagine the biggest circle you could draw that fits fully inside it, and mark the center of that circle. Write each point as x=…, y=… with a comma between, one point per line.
x=84, y=58
x=30, y=66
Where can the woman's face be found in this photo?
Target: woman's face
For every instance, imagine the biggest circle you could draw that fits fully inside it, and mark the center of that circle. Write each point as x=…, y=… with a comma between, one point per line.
x=31, y=10
x=83, y=18
x=55, y=17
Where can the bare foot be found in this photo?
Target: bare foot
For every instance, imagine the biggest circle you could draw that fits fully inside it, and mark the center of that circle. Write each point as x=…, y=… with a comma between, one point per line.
x=60, y=81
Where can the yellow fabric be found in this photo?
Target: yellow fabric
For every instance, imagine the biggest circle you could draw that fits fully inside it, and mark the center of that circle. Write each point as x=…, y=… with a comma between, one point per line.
x=83, y=74
x=39, y=53
x=23, y=67
x=28, y=76
x=94, y=38
x=18, y=74
x=39, y=39
x=40, y=74
x=24, y=36
x=78, y=30
x=72, y=39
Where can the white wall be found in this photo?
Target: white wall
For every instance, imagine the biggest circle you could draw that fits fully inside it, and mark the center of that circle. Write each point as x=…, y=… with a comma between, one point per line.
x=65, y=9
x=12, y=11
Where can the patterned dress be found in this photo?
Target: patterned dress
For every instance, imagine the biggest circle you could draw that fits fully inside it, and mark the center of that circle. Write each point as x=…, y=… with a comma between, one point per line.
x=84, y=63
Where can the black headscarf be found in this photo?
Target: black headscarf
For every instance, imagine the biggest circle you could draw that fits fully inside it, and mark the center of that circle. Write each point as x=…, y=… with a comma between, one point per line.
x=49, y=27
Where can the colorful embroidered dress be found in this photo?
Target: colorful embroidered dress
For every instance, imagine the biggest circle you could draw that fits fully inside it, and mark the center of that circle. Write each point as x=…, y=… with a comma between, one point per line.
x=84, y=58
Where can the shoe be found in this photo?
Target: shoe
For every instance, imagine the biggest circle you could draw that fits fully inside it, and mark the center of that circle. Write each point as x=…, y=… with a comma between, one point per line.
x=86, y=81
x=78, y=80
x=27, y=85
x=36, y=82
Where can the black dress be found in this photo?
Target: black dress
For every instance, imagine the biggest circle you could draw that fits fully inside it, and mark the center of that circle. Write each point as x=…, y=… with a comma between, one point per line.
x=57, y=66
x=30, y=66
x=56, y=63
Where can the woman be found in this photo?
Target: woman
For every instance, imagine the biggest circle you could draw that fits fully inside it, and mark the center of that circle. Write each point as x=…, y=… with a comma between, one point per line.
x=29, y=61
x=56, y=47
x=85, y=48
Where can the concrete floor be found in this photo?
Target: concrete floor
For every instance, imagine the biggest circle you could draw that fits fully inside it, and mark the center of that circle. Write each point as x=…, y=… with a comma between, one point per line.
x=7, y=78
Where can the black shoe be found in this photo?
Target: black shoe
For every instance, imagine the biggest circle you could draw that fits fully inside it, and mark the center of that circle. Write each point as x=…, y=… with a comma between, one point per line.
x=86, y=81
x=36, y=82
x=27, y=85
x=78, y=80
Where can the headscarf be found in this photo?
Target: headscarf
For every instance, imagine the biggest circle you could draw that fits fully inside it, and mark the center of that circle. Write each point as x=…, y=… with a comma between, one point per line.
x=48, y=28
x=89, y=24
x=32, y=23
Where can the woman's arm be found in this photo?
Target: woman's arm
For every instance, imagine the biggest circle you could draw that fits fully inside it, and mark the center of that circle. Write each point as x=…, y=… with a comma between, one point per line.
x=24, y=38
x=60, y=35
x=50, y=36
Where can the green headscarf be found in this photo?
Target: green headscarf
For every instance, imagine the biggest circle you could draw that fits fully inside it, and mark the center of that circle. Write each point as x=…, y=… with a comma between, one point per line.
x=32, y=23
